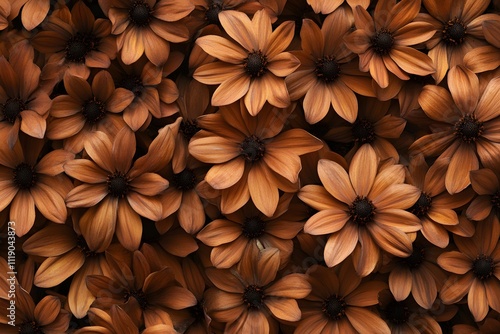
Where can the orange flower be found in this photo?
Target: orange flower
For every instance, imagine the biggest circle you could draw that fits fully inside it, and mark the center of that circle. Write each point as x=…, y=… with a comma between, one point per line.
x=383, y=42
x=254, y=68
x=471, y=129
x=475, y=269
x=251, y=158
x=327, y=74
x=87, y=109
x=362, y=211
x=147, y=27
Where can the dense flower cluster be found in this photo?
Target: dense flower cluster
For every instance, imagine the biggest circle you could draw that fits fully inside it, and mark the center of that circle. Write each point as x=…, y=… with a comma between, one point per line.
x=250, y=166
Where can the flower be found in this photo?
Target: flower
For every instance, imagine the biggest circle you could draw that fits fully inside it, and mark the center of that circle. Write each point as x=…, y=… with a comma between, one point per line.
x=327, y=74
x=338, y=302
x=87, y=109
x=147, y=27
x=362, y=211
x=250, y=157
x=475, y=269
x=254, y=68
x=383, y=42
x=471, y=120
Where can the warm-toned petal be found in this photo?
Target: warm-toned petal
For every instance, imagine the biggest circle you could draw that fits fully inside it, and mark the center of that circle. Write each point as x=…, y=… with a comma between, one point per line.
x=55, y=270
x=366, y=255
x=341, y=244
x=326, y=222
x=438, y=104
x=222, y=49
x=191, y=214
x=317, y=197
x=284, y=163
x=412, y=61
x=213, y=149
x=149, y=184
x=479, y=208
x=128, y=226
x=365, y=321
x=363, y=169
x=464, y=88
x=227, y=255
x=336, y=181
x=218, y=232
x=397, y=196
x=239, y=27
x=462, y=162
x=392, y=240
x=423, y=291
x=284, y=309
x=98, y=224
x=264, y=194
x=455, y=262
x=366, y=294
x=133, y=46
x=53, y=240
x=86, y=195
x=49, y=202
x=301, y=287
x=22, y=211
x=400, y=282
x=477, y=301
x=489, y=105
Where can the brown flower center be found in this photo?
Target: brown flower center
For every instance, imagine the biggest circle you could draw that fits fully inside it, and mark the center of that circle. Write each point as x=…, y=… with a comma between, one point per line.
x=495, y=201
x=362, y=210
x=139, y=295
x=327, y=69
x=416, y=258
x=12, y=109
x=334, y=307
x=468, y=128
x=422, y=206
x=30, y=327
x=212, y=13
x=363, y=131
x=189, y=128
x=79, y=46
x=382, y=42
x=84, y=248
x=483, y=267
x=24, y=176
x=252, y=148
x=185, y=180
x=253, y=227
x=118, y=184
x=255, y=64
x=454, y=32
x=93, y=110
x=397, y=313
x=197, y=312
x=133, y=83
x=140, y=13
x=253, y=296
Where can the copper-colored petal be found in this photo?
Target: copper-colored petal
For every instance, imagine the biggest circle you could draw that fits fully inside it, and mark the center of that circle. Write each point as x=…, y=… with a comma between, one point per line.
x=22, y=211
x=119, y=100
x=462, y=162
x=317, y=197
x=366, y=294
x=33, y=124
x=488, y=106
x=263, y=193
x=223, y=306
x=227, y=255
x=378, y=71
x=397, y=218
x=464, y=88
x=366, y=255
x=455, y=262
x=191, y=213
x=402, y=14
x=146, y=206
x=412, y=61
x=49, y=202
x=239, y=27
x=400, y=282
x=366, y=321
x=397, y=196
x=326, y=222
x=99, y=149
x=482, y=58
x=314, y=323
x=156, y=48
x=363, y=170
x=435, y=233
x=423, y=291
x=477, y=300
x=98, y=224
x=341, y=244
x=133, y=46
x=86, y=195
x=33, y=13
x=439, y=56
x=392, y=240
x=414, y=33
x=222, y=49
x=284, y=309
x=55, y=270
x=479, y=208
x=47, y=310
x=336, y=181
x=149, y=184
x=128, y=226
x=213, y=149
x=225, y=280
x=217, y=72
x=53, y=240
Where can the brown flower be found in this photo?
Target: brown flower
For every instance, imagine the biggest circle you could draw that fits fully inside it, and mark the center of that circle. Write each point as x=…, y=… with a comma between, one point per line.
x=362, y=211
x=254, y=68
x=251, y=158
x=475, y=269
x=327, y=74
x=470, y=129
x=147, y=27
x=383, y=41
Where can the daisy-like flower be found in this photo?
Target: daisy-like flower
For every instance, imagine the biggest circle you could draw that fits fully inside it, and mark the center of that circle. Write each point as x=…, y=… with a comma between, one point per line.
x=458, y=30
x=383, y=41
x=362, y=211
x=87, y=109
x=231, y=236
x=28, y=182
x=485, y=183
x=22, y=105
x=475, y=269
x=116, y=192
x=75, y=41
x=338, y=302
x=255, y=67
x=147, y=27
x=485, y=58
x=249, y=298
x=435, y=206
x=471, y=122
x=47, y=316
x=250, y=157
x=327, y=74
x=328, y=6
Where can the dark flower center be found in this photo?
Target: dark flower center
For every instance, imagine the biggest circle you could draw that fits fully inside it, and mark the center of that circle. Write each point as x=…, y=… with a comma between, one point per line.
x=185, y=180
x=362, y=131
x=422, y=80
x=189, y=128
x=495, y=201
x=327, y=69
x=469, y=129
x=84, y=248
x=133, y=83
x=139, y=295
x=483, y=267
x=422, y=206
x=416, y=258
x=382, y=42
x=118, y=184
x=93, y=110
x=30, y=328
x=255, y=64
x=24, y=176
x=252, y=148
x=334, y=307
x=212, y=13
x=140, y=13
x=362, y=210
x=397, y=313
x=454, y=32
x=12, y=109
x=197, y=312
x=253, y=227
x=253, y=297
x=79, y=46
